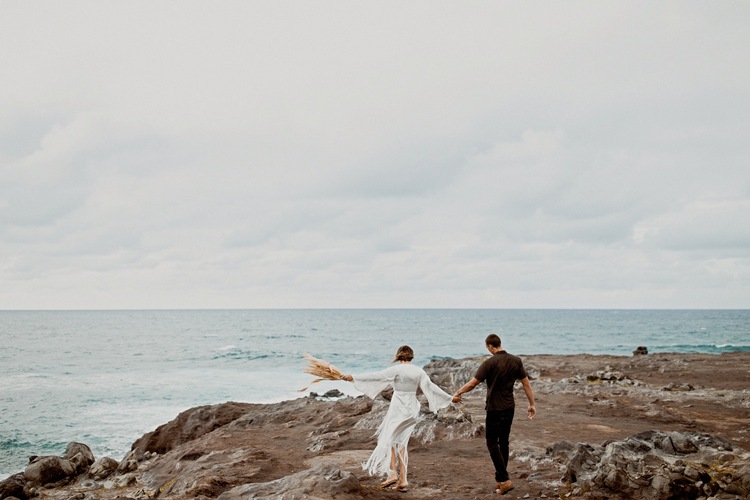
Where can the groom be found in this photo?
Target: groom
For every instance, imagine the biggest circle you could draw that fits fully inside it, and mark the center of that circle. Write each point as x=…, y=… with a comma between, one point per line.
x=500, y=372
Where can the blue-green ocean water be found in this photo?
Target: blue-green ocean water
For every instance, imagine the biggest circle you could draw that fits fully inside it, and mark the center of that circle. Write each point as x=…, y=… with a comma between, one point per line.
x=107, y=377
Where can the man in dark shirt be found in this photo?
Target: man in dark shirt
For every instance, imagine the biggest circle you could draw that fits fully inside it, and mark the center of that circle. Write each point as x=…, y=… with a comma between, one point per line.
x=500, y=372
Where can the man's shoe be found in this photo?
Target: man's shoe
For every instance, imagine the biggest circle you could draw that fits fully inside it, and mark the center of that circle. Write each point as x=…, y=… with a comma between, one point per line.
x=504, y=487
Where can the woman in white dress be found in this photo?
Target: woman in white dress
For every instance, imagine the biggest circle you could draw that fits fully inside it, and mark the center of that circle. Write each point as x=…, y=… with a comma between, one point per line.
x=391, y=456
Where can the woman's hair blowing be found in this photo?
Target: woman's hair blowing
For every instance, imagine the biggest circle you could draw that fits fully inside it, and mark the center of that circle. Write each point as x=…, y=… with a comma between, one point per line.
x=404, y=353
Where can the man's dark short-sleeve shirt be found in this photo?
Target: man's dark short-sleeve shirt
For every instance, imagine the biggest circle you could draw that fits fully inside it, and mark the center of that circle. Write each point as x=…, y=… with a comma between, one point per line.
x=500, y=372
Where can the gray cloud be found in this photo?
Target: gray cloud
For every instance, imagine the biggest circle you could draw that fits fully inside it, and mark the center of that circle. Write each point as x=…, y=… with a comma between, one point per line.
x=421, y=155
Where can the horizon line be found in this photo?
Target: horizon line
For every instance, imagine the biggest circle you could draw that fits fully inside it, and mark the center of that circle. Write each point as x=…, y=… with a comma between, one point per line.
x=177, y=309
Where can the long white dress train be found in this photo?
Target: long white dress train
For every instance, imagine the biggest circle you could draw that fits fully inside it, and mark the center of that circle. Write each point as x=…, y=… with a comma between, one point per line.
x=399, y=421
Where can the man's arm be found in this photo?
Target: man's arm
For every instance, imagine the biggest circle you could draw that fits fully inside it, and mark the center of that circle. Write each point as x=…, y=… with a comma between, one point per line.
x=529, y=396
x=469, y=386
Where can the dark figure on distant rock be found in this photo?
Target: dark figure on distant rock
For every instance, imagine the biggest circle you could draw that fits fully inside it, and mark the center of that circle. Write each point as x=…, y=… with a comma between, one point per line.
x=641, y=350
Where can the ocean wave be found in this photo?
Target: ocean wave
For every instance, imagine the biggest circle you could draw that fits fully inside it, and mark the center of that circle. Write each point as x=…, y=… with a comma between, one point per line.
x=441, y=357
x=38, y=446
x=244, y=355
x=7, y=444
x=702, y=348
x=14, y=453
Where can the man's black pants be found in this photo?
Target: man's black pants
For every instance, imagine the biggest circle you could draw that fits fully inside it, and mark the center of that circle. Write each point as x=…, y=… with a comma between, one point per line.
x=498, y=433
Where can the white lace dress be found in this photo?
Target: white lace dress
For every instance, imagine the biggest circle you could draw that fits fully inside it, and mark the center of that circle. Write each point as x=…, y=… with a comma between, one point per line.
x=399, y=421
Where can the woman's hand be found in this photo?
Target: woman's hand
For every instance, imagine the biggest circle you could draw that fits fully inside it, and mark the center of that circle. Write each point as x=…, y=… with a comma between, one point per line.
x=348, y=378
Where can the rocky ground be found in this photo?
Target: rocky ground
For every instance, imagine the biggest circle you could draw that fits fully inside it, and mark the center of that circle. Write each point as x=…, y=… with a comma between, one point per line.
x=647, y=426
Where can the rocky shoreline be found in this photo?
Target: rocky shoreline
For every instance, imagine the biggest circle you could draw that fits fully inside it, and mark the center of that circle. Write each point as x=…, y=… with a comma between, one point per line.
x=656, y=426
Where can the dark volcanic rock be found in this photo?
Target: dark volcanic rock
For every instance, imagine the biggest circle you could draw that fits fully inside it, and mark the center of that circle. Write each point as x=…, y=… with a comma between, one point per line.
x=583, y=458
x=333, y=393
x=658, y=465
x=80, y=455
x=103, y=468
x=606, y=376
x=313, y=447
x=47, y=470
x=452, y=374
x=323, y=481
x=13, y=487
x=190, y=425
x=678, y=387
x=230, y=456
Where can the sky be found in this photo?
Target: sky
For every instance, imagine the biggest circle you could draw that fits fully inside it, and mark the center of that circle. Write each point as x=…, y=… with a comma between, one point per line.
x=347, y=154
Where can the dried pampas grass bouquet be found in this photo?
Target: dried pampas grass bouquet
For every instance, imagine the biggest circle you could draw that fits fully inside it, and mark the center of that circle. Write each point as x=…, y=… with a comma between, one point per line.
x=322, y=370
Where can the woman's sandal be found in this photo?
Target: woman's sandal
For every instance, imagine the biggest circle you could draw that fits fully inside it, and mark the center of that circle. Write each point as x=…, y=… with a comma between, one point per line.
x=403, y=488
x=388, y=482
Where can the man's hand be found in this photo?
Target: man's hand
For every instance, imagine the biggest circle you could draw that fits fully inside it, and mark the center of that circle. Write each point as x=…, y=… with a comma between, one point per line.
x=529, y=396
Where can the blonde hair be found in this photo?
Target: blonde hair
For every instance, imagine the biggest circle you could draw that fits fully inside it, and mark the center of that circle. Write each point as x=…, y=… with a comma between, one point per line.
x=404, y=353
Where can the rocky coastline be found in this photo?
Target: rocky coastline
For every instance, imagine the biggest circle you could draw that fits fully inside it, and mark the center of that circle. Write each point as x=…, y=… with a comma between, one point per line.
x=650, y=426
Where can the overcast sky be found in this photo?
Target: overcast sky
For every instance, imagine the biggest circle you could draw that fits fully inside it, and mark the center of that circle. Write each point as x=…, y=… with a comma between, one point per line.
x=374, y=154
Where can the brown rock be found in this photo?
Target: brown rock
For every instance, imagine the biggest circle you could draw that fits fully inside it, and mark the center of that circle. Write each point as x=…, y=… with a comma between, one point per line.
x=103, y=468
x=452, y=374
x=86, y=455
x=660, y=440
x=650, y=465
x=323, y=481
x=47, y=470
x=190, y=425
x=13, y=487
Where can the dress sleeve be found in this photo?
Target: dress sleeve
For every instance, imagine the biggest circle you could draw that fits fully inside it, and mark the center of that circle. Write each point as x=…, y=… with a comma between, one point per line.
x=436, y=397
x=374, y=383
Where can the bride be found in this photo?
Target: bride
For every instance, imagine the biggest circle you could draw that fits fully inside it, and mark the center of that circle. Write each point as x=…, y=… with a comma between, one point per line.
x=390, y=455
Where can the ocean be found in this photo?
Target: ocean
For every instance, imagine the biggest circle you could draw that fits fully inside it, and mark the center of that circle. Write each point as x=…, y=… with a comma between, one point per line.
x=105, y=378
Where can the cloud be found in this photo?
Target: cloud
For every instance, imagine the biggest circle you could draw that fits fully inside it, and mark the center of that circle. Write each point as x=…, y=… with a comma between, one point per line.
x=290, y=155
x=708, y=227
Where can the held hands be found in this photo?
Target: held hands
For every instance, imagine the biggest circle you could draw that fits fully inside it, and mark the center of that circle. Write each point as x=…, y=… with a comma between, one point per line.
x=348, y=378
x=457, y=398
